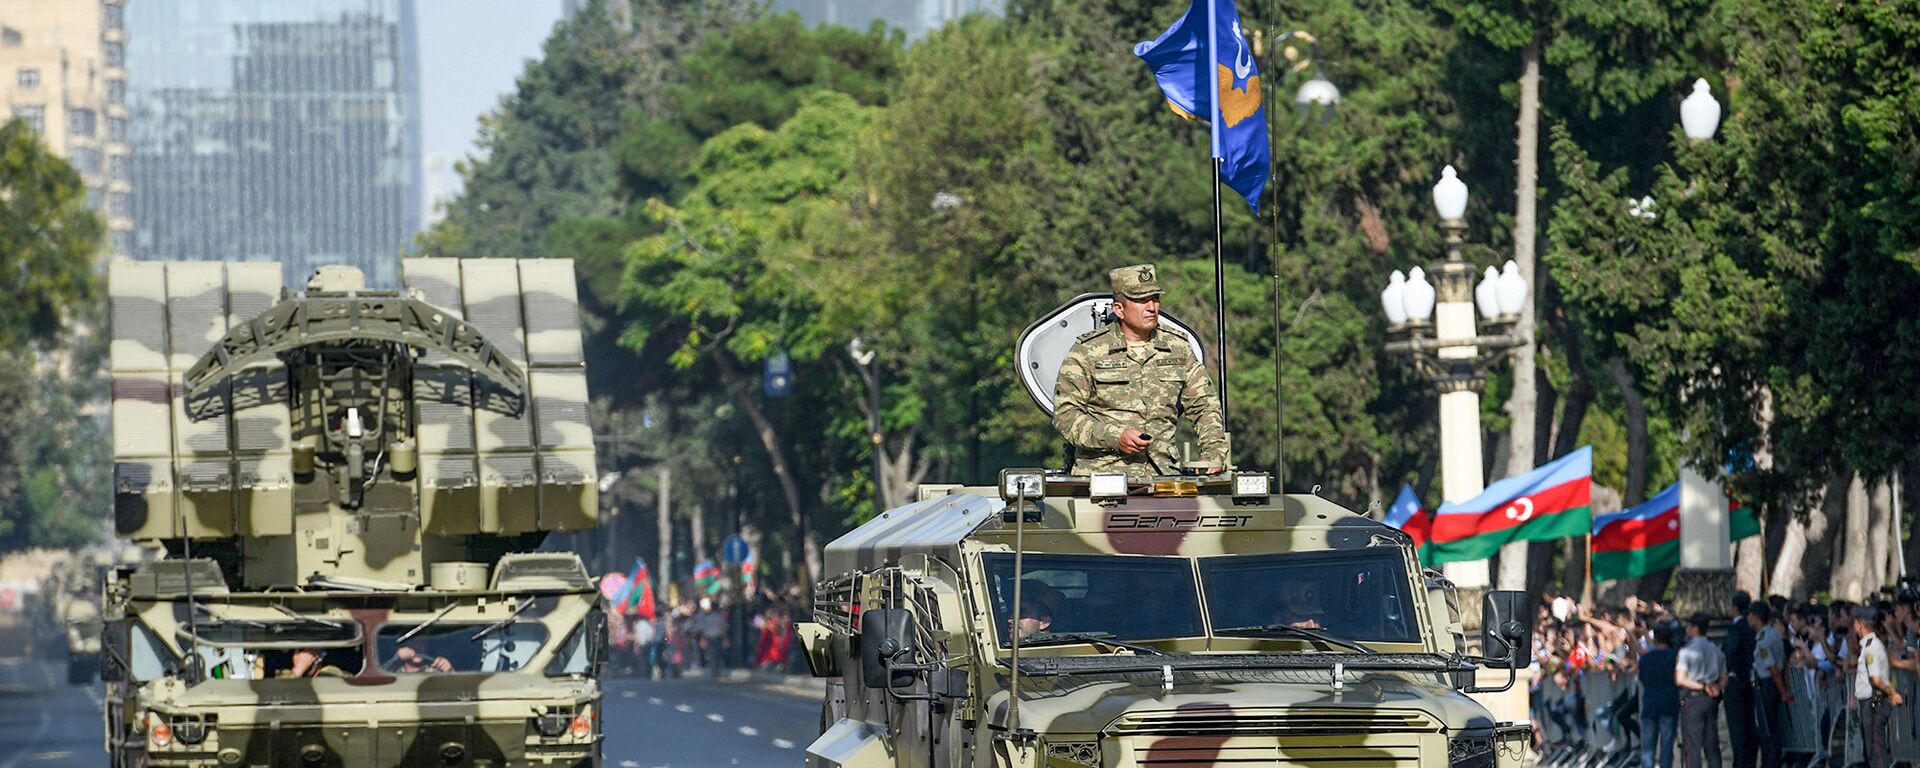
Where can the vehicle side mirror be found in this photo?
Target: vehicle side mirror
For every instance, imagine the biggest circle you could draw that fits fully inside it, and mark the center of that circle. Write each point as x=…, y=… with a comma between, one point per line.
x=1504, y=638
x=886, y=639
x=596, y=629
x=116, y=639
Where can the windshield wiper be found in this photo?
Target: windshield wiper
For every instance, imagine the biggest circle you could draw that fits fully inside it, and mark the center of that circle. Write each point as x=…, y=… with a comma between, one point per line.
x=402, y=640
x=504, y=620
x=1091, y=638
x=1306, y=632
x=305, y=619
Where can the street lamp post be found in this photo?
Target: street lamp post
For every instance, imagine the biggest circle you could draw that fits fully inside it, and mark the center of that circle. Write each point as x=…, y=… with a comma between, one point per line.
x=1433, y=329
x=1704, y=582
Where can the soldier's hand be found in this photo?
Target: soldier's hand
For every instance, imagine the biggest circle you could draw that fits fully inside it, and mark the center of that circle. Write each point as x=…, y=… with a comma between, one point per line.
x=1133, y=442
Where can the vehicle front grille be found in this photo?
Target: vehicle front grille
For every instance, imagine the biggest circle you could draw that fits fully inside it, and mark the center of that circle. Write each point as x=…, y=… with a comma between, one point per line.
x=1271, y=721
x=1391, y=751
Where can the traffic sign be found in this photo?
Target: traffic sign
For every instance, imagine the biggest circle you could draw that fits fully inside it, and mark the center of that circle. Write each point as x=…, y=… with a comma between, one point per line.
x=735, y=550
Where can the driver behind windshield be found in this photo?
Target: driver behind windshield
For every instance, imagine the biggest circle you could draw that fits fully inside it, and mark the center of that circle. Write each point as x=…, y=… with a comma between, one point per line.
x=412, y=660
x=1299, y=606
x=1037, y=601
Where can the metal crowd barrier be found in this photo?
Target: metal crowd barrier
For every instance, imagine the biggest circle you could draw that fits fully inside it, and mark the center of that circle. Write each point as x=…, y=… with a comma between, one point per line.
x=1821, y=719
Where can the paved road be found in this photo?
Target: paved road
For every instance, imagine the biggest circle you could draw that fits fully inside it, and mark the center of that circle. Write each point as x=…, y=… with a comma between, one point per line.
x=686, y=723
x=45, y=722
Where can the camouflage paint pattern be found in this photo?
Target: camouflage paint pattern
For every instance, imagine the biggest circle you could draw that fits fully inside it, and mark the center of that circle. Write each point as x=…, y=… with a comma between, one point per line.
x=1103, y=390
x=927, y=557
x=231, y=443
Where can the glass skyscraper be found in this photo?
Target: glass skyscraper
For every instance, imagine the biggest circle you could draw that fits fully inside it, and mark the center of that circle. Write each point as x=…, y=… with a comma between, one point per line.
x=285, y=130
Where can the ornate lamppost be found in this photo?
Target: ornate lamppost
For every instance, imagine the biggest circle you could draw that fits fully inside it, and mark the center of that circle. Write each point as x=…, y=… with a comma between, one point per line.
x=1432, y=325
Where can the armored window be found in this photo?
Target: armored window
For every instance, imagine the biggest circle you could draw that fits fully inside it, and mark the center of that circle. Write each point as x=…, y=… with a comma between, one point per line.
x=34, y=114
x=443, y=647
x=1353, y=595
x=149, y=658
x=28, y=77
x=1098, y=595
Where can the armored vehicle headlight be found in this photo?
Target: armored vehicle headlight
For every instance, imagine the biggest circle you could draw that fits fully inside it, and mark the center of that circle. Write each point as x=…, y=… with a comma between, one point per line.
x=1107, y=486
x=1252, y=484
x=551, y=724
x=1016, y=483
x=190, y=731
x=1475, y=751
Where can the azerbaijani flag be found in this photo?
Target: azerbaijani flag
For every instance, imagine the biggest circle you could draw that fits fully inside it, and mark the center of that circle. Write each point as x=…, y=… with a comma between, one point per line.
x=1406, y=515
x=1551, y=502
x=1638, y=540
x=1741, y=521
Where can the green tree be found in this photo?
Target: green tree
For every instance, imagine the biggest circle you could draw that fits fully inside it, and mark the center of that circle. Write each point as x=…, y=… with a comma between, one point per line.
x=50, y=451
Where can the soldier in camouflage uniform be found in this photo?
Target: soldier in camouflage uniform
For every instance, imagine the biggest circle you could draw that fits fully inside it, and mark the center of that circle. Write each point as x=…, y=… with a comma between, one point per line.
x=1123, y=387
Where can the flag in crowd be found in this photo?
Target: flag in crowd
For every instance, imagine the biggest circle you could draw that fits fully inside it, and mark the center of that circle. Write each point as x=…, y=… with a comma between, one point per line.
x=1638, y=540
x=706, y=577
x=1205, y=68
x=1407, y=515
x=1741, y=521
x=1552, y=502
x=630, y=593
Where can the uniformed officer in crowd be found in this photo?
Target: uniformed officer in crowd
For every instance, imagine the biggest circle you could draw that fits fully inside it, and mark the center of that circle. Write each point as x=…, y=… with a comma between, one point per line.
x=1123, y=389
x=1738, y=697
x=1701, y=674
x=1873, y=689
x=1771, y=695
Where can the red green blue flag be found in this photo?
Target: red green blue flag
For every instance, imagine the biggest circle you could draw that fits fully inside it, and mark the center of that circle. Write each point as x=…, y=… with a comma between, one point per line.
x=1552, y=502
x=1741, y=521
x=1406, y=515
x=1204, y=66
x=1638, y=540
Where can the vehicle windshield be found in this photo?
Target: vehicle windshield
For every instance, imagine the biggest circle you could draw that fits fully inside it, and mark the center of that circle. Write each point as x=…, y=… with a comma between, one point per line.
x=444, y=647
x=274, y=632
x=1100, y=595
x=1350, y=595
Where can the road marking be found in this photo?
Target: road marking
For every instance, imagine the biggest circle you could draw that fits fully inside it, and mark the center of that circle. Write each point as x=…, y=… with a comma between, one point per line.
x=748, y=730
x=717, y=717
x=682, y=708
x=58, y=754
x=654, y=700
x=629, y=694
x=629, y=764
x=782, y=744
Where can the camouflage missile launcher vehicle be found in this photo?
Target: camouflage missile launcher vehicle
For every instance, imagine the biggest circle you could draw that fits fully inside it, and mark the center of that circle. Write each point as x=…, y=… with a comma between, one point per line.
x=351, y=487
x=1111, y=622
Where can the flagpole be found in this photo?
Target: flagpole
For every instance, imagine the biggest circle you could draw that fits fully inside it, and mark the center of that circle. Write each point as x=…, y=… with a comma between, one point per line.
x=1586, y=590
x=1220, y=298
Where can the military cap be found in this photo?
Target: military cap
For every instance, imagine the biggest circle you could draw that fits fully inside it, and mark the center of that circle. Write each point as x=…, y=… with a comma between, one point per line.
x=1136, y=282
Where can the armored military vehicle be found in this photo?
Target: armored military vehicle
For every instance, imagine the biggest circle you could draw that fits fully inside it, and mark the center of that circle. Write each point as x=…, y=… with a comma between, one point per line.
x=351, y=487
x=1112, y=621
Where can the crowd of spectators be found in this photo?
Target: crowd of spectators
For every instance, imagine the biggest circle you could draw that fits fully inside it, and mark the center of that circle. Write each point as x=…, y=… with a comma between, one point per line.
x=709, y=635
x=1688, y=684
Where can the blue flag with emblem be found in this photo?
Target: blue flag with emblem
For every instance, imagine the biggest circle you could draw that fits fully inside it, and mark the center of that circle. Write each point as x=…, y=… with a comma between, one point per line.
x=1206, y=70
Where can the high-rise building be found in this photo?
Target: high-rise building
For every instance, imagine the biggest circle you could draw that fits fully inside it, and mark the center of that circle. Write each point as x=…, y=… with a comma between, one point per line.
x=285, y=130
x=63, y=69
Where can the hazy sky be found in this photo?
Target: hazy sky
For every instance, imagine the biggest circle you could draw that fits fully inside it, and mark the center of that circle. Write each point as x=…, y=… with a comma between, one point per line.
x=470, y=53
